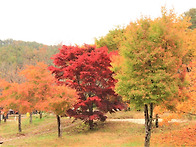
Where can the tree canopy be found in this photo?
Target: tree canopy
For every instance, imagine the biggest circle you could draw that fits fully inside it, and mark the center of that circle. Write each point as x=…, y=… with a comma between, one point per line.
x=87, y=70
x=153, y=55
x=112, y=40
x=192, y=13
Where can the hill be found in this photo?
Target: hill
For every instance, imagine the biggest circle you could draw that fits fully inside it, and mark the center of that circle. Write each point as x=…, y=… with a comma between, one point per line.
x=14, y=55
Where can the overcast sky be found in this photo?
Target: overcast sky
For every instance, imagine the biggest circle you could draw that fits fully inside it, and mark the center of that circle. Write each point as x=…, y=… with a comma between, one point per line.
x=75, y=21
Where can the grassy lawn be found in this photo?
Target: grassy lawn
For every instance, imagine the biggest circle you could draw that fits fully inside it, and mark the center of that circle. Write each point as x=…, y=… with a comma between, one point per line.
x=108, y=134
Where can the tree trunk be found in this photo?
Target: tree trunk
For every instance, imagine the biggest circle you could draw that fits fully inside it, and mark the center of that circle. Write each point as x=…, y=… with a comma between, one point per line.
x=30, y=120
x=40, y=114
x=5, y=117
x=148, y=123
x=0, y=116
x=157, y=121
x=59, y=125
x=19, y=123
x=91, y=124
x=91, y=113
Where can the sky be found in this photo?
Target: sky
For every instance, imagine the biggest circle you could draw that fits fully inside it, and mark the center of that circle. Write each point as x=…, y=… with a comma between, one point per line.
x=73, y=22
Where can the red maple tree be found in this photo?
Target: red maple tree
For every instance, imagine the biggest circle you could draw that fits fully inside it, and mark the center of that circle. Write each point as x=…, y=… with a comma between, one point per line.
x=87, y=69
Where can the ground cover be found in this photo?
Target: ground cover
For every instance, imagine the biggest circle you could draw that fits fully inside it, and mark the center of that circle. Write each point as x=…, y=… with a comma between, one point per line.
x=108, y=134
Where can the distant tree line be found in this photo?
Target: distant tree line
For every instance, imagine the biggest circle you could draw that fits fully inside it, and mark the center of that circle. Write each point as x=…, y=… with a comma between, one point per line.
x=15, y=54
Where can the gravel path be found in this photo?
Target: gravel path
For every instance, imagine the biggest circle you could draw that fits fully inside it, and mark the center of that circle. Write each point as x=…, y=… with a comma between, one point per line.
x=142, y=121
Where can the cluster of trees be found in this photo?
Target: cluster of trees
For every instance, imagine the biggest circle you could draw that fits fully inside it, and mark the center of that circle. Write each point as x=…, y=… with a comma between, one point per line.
x=16, y=54
x=152, y=60
x=84, y=69
x=39, y=92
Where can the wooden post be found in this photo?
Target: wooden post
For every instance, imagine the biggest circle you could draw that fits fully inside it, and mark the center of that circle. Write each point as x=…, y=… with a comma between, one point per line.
x=157, y=121
x=0, y=116
x=19, y=123
x=30, y=120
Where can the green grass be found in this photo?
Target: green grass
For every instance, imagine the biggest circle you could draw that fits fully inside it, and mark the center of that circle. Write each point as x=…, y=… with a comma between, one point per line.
x=108, y=134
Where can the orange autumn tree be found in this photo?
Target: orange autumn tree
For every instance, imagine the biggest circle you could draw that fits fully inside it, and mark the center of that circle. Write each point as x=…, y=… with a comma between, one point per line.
x=62, y=98
x=44, y=94
x=189, y=74
x=185, y=136
x=189, y=106
x=39, y=82
x=12, y=98
x=3, y=84
x=186, y=73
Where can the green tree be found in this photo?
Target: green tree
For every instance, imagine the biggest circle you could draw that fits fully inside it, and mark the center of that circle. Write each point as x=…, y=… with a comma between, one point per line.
x=152, y=56
x=192, y=13
x=112, y=40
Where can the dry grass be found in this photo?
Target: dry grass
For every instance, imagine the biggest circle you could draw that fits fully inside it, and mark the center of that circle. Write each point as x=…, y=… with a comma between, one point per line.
x=126, y=114
x=108, y=134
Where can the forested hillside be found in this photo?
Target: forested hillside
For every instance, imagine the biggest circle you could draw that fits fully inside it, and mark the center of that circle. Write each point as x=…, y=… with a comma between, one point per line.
x=14, y=55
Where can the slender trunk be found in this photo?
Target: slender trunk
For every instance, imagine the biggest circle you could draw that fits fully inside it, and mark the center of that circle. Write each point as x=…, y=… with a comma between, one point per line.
x=40, y=114
x=59, y=125
x=4, y=117
x=157, y=121
x=91, y=124
x=30, y=120
x=0, y=116
x=148, y=113
x=19, y=123
x=91, y=113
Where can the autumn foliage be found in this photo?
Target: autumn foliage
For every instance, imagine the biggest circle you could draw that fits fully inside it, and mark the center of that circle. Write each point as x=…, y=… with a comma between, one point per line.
x=182, y=137
x=38, y=92
x=87, y=70
x=189, y=106
x=151, y=65
x=152, y=71
x=12, y=98
x=44, y=93
x=186, y=106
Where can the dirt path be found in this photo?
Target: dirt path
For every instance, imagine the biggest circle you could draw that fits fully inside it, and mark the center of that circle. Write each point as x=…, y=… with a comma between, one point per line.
x=142, y=121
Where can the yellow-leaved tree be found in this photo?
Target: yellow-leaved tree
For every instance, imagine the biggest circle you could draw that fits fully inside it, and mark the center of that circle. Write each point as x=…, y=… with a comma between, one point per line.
x=153, y=53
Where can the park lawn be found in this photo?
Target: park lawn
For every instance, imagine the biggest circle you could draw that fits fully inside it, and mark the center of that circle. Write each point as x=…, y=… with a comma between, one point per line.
x=108, y=134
